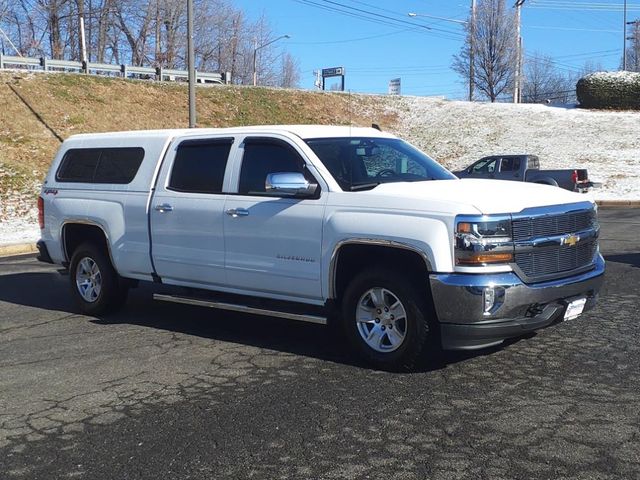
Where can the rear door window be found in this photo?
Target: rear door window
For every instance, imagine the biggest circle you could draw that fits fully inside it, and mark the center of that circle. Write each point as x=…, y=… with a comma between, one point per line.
x=117, y=165
x=510, y=165
x=200, y=165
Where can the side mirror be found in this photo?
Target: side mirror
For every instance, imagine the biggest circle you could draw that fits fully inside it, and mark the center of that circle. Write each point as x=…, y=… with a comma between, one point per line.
x=289, y=184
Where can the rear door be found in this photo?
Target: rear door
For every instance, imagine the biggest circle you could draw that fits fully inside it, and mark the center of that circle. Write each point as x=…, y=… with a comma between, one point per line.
x=186, y=213
x=509, y=168
x=273, y=243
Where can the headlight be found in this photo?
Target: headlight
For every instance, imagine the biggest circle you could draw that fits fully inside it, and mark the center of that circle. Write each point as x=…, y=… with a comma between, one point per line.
x=483, y=240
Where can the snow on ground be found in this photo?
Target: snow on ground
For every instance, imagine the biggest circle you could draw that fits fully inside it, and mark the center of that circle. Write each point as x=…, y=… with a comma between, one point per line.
x=458, y=133
x=18, y=231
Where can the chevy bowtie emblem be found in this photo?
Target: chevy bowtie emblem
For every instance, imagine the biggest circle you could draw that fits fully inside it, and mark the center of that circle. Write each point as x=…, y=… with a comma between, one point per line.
x=570, y=240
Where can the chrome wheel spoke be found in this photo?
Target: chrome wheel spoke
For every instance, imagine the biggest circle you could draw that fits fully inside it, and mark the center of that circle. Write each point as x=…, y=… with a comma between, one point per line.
x=397, y=310
x=375, y=336
x=365, y=313
x=377, y=297
x=395, y=337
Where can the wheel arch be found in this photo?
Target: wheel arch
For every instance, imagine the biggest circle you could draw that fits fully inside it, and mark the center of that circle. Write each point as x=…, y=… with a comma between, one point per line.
x=76, y=232
x=546, y=181
x=348, y=258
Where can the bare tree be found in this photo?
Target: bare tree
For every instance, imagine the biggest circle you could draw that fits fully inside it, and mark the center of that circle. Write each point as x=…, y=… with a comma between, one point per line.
x=290, y=76
x=543, y=83
x=633, y=48
x=149, y=32
x=495, y=55
x=135, y=24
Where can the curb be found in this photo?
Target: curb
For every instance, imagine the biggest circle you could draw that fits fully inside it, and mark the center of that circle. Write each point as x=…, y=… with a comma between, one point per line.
x=17, y=249
x=618, y=203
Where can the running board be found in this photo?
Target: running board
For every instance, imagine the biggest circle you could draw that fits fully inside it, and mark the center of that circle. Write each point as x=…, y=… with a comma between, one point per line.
x=241, y=308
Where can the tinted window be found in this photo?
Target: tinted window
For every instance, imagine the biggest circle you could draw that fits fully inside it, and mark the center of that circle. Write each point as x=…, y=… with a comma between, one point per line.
x=509, y=164
x=100, y=165
x=199, y=166
x=264, y=157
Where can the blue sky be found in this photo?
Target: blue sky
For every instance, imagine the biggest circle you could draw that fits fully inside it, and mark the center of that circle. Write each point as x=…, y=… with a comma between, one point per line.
x=373, y=52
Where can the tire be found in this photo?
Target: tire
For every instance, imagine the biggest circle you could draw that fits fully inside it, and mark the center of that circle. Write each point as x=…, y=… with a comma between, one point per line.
x=96, y=286
x=385, y=339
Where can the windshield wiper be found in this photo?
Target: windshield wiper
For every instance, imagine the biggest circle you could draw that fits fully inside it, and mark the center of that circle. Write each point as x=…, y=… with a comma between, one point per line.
x=363, y=186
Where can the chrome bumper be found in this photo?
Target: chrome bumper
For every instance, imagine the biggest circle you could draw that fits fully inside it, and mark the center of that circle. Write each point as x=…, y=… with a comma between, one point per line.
x=518, y=309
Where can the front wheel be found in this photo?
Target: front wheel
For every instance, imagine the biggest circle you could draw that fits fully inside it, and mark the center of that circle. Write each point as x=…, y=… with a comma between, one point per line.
x=95, y=285
x=386, y=319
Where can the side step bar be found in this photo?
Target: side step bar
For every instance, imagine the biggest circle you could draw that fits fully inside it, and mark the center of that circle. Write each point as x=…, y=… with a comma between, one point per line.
x=241, y=308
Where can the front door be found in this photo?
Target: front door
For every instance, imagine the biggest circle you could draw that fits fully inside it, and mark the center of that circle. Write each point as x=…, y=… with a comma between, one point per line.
x=273, y=243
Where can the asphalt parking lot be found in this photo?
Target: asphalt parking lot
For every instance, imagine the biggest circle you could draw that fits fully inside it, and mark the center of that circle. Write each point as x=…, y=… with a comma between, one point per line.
x=176, y=392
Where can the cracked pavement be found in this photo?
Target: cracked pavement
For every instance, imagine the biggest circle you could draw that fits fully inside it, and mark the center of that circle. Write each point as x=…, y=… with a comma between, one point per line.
x=173, y=391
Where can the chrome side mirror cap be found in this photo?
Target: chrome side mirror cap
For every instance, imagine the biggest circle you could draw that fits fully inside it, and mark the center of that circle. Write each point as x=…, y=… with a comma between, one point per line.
x=289, y=184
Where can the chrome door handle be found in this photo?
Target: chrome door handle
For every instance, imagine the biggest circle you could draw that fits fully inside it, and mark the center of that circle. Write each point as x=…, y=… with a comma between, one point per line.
x=237, y=212
x=164, y=207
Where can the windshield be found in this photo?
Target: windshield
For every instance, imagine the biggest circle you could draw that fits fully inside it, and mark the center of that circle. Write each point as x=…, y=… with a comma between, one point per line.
x=363, y=163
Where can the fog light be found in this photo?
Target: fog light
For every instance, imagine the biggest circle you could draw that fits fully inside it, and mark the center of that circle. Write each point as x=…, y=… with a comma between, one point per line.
x=492, y=299
x=489, y=299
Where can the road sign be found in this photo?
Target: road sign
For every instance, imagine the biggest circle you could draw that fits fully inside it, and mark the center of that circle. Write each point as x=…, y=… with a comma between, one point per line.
x=394, y=86
x=332, y=72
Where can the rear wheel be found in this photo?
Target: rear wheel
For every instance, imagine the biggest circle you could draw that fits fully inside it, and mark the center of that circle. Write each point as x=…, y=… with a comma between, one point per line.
x=96, y=286
x=386, y=319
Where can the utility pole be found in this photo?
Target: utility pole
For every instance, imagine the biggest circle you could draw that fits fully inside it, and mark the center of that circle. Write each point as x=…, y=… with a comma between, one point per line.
x=472, y=48
x=636, y=45
x=518, y=76
x=192, y=67
x=624, y=37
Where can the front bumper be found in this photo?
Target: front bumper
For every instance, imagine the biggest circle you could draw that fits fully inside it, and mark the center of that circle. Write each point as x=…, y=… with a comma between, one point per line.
x=519, y=308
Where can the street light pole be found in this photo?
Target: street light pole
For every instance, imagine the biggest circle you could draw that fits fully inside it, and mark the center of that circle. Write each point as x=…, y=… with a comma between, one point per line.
x=255, y=55
x=518, y=80
x=191, y=66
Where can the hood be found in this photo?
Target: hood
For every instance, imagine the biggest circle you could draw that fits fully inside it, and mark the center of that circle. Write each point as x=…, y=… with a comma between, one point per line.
x=487, y=196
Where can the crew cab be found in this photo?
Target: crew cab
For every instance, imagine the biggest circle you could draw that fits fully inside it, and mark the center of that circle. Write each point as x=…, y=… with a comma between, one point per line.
x=526, y=168
x=320, y=224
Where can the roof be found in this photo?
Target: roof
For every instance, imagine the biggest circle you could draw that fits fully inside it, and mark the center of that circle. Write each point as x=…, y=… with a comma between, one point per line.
x=302, y=131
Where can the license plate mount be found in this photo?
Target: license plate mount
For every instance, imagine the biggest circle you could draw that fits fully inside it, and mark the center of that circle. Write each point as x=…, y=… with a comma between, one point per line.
x=574, y=309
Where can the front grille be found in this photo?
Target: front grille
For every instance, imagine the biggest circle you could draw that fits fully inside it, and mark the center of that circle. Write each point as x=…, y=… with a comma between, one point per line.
x=560, y=260
x=549, y=225
x=556, y=260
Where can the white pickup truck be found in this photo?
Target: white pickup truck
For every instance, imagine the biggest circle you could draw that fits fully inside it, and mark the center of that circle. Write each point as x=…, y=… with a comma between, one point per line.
x=319, y=223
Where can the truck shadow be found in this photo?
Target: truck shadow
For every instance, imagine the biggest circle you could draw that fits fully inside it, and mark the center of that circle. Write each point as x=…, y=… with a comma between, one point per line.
x=631, y=259
x=50, y=291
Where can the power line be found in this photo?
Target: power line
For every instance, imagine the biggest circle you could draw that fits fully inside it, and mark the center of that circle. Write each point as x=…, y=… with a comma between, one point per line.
x=359, y=39
x=374, y=17
x=548, y=27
